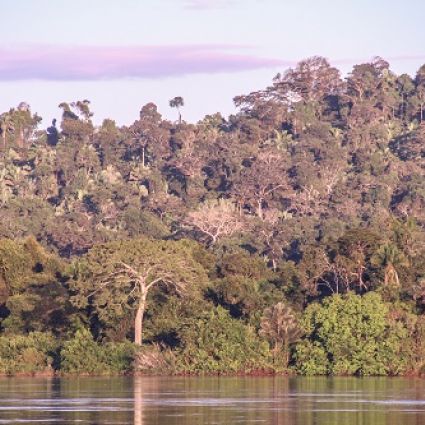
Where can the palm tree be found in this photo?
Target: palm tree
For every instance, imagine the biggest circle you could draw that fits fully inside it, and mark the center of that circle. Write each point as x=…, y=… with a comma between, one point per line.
x=390, y=258
x=177, y=102
x=280, y=326
x=6, y=124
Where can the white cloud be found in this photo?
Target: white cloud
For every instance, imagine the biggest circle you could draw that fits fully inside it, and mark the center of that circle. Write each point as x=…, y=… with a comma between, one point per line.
x=207, y=4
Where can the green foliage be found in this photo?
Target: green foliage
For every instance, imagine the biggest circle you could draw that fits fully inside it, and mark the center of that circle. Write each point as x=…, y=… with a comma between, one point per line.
x=33, y=295
x=280, y=327
x=82, y=355
x=314, y=189
x=13, y=264
x=311, y=358
x=32, y=353
x=217, y=343
x=350, y=335
x=115, y=279
x=144, y=223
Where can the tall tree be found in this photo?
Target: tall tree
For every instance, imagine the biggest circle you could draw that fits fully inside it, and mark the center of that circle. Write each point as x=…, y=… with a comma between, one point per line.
x=177, y=102
x=149, y=136
x=391, y=259
x=258, y=183
x=280, y=326
x=420, y=92
x=118, y=276
x=6, y=125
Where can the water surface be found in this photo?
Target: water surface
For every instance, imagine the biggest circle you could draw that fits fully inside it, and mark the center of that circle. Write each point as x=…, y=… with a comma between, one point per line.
x=213, y=400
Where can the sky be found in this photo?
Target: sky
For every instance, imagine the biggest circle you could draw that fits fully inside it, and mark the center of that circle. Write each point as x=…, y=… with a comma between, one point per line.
x=122, y=54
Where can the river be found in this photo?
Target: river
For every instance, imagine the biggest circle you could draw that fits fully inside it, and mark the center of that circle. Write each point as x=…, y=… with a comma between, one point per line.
x=213, y=400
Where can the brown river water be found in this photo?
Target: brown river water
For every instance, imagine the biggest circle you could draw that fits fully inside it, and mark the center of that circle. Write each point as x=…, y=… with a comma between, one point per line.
x=213, y=400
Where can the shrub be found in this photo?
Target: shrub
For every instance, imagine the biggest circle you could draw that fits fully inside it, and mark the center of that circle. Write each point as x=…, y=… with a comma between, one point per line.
x=30, y=353
x=311, y=358
x=82, y=354
x=119, y=356
x=217, y=343
x=351, y=335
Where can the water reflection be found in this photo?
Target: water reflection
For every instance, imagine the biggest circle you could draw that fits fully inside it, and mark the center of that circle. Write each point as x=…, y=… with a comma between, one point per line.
x=138, y=400
x=213, y=400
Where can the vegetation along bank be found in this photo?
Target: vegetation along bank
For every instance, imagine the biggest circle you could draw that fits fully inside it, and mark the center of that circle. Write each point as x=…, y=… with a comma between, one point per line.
x=287, y=238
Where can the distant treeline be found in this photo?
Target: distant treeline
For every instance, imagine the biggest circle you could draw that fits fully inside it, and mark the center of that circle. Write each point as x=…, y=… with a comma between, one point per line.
x=289, y=237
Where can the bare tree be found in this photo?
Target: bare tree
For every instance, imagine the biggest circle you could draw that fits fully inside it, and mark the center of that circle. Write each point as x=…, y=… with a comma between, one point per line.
x=216, y=218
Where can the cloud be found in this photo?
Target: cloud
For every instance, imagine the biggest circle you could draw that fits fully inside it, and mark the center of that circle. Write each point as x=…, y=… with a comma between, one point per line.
x=67, y=63
x=215, y=4
x=207, y=4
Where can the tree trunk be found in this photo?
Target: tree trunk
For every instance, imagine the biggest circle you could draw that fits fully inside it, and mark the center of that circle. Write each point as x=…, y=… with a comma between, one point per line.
x=213, y=240
x=403, y=107
x=21, y=141
x=138, y=321
x=260, y=209
x=286, y=348
x=143, y=156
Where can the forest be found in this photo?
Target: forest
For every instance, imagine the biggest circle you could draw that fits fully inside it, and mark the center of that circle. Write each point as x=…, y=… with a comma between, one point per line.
x=286, y=238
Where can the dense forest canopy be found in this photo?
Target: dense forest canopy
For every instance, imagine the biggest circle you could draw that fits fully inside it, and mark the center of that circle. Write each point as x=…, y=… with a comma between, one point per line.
x=257, y=241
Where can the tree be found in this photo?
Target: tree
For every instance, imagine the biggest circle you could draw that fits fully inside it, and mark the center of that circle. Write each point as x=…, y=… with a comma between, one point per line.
x=177, y=102
x=149, y=136
x=298, y=96
x=6, y=125
x=20, y=123
x=258, y=183
x=391, y=259
x=30, y=288
x=355, y=334
x=279, y=325
x=24, y=123
x=405, y=86
x=351, y=262
x=118, y=276
x=76, y=120
x=311, y=80
x=216, y=218
x=419, y=97
x=215, y=342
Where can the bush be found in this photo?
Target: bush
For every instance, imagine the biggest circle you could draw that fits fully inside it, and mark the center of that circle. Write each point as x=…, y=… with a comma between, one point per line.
x=311, y=358
x=82, y=354
x=351, y=335
x=119, y=356
x=217, y=343
x=32, y=353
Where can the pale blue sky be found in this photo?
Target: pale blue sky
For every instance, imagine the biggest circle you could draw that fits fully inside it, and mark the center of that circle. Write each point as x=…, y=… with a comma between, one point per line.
x=121, y=54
